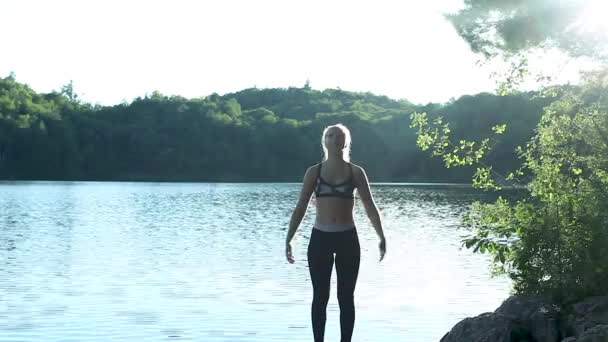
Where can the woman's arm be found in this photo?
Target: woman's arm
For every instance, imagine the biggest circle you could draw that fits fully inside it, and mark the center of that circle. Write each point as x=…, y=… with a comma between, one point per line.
x=308, y=185
x=370, y=206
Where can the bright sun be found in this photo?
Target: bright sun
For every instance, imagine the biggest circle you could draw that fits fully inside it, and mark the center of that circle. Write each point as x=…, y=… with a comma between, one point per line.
x=594, y=16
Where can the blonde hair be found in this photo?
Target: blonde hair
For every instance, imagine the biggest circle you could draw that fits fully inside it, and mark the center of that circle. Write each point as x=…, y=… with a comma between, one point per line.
x=347, y=141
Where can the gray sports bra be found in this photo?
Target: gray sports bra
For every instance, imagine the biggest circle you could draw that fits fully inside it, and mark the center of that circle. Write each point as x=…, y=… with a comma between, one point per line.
x=345, y=189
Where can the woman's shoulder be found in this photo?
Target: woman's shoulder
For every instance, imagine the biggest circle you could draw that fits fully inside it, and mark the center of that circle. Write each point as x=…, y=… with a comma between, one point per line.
x=357, y=168
x=313, y=169
x=359, y=175
x=314, y=166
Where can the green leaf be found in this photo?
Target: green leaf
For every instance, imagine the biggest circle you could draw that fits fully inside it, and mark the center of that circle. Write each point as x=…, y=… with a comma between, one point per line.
x=499, y=129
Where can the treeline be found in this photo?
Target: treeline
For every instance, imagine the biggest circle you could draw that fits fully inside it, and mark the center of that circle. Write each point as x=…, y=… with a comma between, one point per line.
x=252, y=135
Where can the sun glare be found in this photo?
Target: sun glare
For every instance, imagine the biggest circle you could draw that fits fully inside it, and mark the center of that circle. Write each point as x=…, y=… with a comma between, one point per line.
x=593, y=17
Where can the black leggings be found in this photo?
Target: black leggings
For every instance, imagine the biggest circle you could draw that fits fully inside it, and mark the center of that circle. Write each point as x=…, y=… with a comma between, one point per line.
x=321, y=249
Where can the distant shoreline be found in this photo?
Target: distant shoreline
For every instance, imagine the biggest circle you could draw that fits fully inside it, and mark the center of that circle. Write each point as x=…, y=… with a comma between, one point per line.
x=442, y=184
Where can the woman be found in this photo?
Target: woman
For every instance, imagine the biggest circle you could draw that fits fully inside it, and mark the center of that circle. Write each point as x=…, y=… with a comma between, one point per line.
x=334, y=182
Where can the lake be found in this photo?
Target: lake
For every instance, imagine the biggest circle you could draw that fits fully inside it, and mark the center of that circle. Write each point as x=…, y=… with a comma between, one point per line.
x=101, y=261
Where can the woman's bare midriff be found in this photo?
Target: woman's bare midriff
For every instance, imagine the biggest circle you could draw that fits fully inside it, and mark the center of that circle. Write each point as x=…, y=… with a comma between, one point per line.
x=331, y=210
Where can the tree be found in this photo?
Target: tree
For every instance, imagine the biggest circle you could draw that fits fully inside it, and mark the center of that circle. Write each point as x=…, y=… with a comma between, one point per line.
x=552, y=241
x=498, y=27
x=68, y=91
x=307, y=85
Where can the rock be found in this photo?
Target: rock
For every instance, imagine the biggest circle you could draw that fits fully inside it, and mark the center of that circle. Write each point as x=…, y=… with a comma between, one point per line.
x=598, y=333
x=522, y=307
x=540, y=316
x=487, y=327
x=533, y=319
x=589, y=313
x=544, y=326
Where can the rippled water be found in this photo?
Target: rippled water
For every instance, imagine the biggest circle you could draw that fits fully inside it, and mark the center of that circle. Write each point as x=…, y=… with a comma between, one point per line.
x=205, y=262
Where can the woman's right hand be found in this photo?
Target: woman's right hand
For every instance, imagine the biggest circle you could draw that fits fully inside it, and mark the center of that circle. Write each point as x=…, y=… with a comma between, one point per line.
x=382, y=246
x=288, y=253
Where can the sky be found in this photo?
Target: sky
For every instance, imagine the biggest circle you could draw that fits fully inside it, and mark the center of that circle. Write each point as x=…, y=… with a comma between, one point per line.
x=114, y=51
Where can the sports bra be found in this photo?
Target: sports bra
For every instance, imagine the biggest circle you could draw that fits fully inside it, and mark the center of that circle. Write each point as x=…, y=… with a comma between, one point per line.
x=345, y=189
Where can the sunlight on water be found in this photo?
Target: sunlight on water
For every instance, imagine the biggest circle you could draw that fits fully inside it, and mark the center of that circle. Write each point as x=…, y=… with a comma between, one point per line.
x=204, y=262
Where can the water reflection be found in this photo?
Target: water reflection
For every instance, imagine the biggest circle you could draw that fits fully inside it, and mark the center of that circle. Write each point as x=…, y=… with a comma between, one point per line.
x=156, y=261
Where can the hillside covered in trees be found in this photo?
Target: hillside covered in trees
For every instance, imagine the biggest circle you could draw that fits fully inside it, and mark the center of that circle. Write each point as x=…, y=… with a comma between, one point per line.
x=251, y=135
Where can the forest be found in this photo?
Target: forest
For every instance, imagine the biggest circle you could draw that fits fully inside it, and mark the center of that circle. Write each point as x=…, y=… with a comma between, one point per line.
x=253, y=135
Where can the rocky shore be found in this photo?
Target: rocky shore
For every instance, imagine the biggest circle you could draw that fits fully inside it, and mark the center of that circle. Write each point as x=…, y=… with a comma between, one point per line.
x=532, y=319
